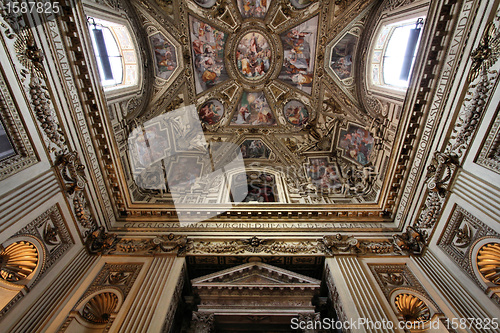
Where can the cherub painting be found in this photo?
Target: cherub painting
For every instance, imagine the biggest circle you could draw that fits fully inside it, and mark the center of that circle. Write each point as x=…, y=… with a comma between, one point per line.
x=165, y=57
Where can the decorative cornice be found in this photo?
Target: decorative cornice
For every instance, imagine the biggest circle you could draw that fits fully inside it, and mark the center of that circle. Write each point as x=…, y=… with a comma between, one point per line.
x=101, y=242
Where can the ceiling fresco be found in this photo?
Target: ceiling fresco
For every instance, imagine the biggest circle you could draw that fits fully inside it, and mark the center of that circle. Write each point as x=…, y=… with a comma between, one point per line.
x=276, y=81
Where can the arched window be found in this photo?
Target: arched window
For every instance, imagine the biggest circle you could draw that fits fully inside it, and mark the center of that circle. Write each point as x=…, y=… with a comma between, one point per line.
x=394, y=53
x=115, y=53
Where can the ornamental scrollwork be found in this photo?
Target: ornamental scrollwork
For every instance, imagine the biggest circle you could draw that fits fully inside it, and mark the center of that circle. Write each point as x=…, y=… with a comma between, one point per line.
x=412, y=241
x=486, y=54
x=253, y=245
x=71, y=171
x=339, y=244
x=100, y=242
x=439, y=174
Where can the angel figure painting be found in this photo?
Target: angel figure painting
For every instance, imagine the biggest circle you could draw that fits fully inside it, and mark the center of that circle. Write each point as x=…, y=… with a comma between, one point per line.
x=208, y=54
x=342, y=53
x=211, y=112
x=299, y=48
x=253, y=109
x=253, y=8
x=165, y=57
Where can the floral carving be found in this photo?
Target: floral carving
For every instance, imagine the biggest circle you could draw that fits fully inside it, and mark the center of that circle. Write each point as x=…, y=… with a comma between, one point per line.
x=486, y=54
x=71, y=170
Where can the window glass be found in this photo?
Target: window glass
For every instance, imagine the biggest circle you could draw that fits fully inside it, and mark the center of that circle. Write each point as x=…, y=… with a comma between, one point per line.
x=114, y=52
x=6, y=148
x=403, y=38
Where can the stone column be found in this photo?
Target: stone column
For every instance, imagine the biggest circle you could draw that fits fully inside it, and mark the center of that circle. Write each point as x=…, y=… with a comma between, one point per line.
x=355, y=293
x=312, y=318
x=47, y=306
x=463, y=304
x=152, y=302
x=202, y=322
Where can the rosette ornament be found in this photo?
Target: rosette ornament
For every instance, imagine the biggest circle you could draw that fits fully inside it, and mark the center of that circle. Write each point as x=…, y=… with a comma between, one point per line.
x=99, y=308
x=412, y=308
x=18, y=261
x=488, y=262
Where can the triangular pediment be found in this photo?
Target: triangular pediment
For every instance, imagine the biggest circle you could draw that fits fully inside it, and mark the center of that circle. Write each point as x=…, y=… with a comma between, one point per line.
x=256, y=274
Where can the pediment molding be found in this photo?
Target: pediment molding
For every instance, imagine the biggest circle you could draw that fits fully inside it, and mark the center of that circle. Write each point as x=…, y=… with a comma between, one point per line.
x=255, y=275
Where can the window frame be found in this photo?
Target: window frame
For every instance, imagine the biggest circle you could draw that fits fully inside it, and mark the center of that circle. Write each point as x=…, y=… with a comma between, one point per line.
x=102, y=14
x=392, y=19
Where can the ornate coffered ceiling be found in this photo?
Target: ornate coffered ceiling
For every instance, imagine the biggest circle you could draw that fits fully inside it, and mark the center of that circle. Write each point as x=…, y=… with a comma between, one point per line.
x=277, y=80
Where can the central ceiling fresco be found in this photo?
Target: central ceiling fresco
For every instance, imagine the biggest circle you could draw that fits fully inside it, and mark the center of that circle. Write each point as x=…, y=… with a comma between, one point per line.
x=277, y=81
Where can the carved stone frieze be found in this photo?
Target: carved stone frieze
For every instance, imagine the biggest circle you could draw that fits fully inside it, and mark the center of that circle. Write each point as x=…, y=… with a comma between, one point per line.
x=344, y=244
x=176, y=244
x=252, y=245
x=339, y=244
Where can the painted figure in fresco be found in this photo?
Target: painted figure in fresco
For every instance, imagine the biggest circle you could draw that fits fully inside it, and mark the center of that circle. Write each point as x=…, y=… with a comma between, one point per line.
x=341, y=60
x=357, y=143
x=261, y=189
x=253, y=56
x=323, y=175
x=254, y=149
x=253, y=109
x=165, y=57
x=296, y=113
x=210, y=113
x=298, y=55
x=253, y=8
x=208, y=55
